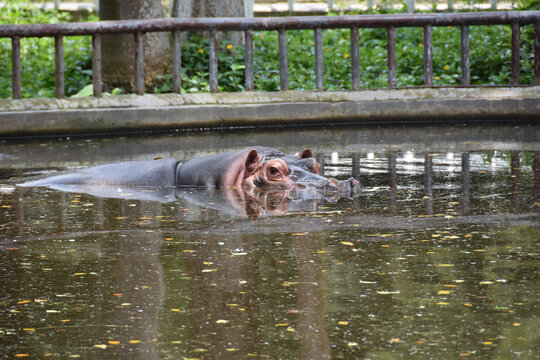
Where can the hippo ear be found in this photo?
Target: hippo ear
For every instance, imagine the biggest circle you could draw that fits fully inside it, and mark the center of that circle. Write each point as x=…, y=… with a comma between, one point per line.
x=304, y=154
x=252, y=163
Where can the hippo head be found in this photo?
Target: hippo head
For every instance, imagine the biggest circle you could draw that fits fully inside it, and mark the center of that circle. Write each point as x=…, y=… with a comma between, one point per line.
x=266, y=168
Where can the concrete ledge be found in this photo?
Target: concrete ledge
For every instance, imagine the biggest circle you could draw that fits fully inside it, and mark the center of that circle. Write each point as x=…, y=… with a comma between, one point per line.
x=31, y=117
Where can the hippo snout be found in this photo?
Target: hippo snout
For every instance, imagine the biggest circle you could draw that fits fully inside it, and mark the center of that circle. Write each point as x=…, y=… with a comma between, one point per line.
x=346, y=188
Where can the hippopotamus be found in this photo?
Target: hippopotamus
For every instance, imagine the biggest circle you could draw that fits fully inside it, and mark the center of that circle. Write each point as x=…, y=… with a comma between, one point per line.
x=252, y=168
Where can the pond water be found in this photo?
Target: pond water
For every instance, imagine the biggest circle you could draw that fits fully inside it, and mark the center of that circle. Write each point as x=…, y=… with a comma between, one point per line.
x=436, y=258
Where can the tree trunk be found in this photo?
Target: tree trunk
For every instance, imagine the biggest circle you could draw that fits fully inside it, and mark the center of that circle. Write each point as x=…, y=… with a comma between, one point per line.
x=118, y=51
x=212, y=8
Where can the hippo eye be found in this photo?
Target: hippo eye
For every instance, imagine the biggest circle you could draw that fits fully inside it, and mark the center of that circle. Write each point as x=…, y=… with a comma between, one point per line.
x=274, y=170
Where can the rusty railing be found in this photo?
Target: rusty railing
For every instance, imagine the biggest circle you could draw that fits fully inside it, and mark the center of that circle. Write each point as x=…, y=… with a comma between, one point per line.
x=317, y=23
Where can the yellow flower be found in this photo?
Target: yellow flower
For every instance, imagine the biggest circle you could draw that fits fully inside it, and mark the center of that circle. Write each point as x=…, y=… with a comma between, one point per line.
x=201, y=51
x=229, y=46
x=437, y=78
x=346, y=56
x=420, y=45
x=446, y=67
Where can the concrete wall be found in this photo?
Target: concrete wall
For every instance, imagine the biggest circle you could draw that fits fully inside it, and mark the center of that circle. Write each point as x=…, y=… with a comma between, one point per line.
x=31, y=117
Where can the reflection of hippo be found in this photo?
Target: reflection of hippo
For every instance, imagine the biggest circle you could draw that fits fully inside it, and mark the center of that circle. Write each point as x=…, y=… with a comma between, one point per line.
x=257, y=167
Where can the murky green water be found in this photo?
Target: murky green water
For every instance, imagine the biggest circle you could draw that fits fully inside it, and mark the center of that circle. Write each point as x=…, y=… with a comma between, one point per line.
x=437, y=259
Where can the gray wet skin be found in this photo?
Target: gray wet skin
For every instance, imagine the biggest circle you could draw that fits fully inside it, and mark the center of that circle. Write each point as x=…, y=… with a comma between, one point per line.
x=256, y=167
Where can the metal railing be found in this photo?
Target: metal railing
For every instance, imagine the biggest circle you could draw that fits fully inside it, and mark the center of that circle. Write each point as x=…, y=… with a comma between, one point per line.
x=317, y=23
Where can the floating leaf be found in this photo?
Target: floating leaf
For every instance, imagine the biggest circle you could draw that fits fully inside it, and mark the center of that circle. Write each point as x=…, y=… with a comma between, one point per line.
x=347, y=243
x=351, y=344
x=113, y=342
x=101, y=346
x=221, y=321
x=388, y=292
x=343, y=322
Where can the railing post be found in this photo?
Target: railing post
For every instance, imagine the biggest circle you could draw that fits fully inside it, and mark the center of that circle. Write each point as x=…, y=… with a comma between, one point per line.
x=96, y=64
x=537, y=54
x=391, y=56
x=319, y=60
x=291, y=6
x=283, y=60
x=59, y=65
x=515, y=52
x=493, y=5
x=465, y=64
x=428, y=56
x=16, y=74
x=213, y=73
x=330, y=5
x=248, y=59
x=450, y=5
x=355, y=61
x=177, y=62
x=139, y=63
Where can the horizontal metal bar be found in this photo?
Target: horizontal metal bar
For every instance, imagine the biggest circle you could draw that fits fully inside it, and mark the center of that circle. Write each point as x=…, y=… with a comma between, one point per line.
x=270, y=23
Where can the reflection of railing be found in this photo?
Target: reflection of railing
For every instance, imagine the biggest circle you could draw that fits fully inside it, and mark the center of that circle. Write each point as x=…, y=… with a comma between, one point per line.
x=139, y=27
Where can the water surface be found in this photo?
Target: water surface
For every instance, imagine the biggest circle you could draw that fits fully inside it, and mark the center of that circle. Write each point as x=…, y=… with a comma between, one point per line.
x=437, y=258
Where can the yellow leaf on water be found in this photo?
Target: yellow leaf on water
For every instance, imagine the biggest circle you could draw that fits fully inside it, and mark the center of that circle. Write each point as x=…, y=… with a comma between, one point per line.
x=221, y=321
x=282, y=324
x=24, y=302
x=444, y=292
x=29, y=329
x=101, y=346
x=347, y=243
x=445, y=265
x=175, y=310
x=22, y=355
x=343, y=322
x=300, y=234
x=351, y=344
x=113, y=342
x=394, y=340
x=516, y=324
x=134, y=341
x=443, y=303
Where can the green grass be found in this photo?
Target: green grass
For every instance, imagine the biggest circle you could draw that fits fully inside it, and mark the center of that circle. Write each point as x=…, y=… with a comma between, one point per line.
x=490, y=56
